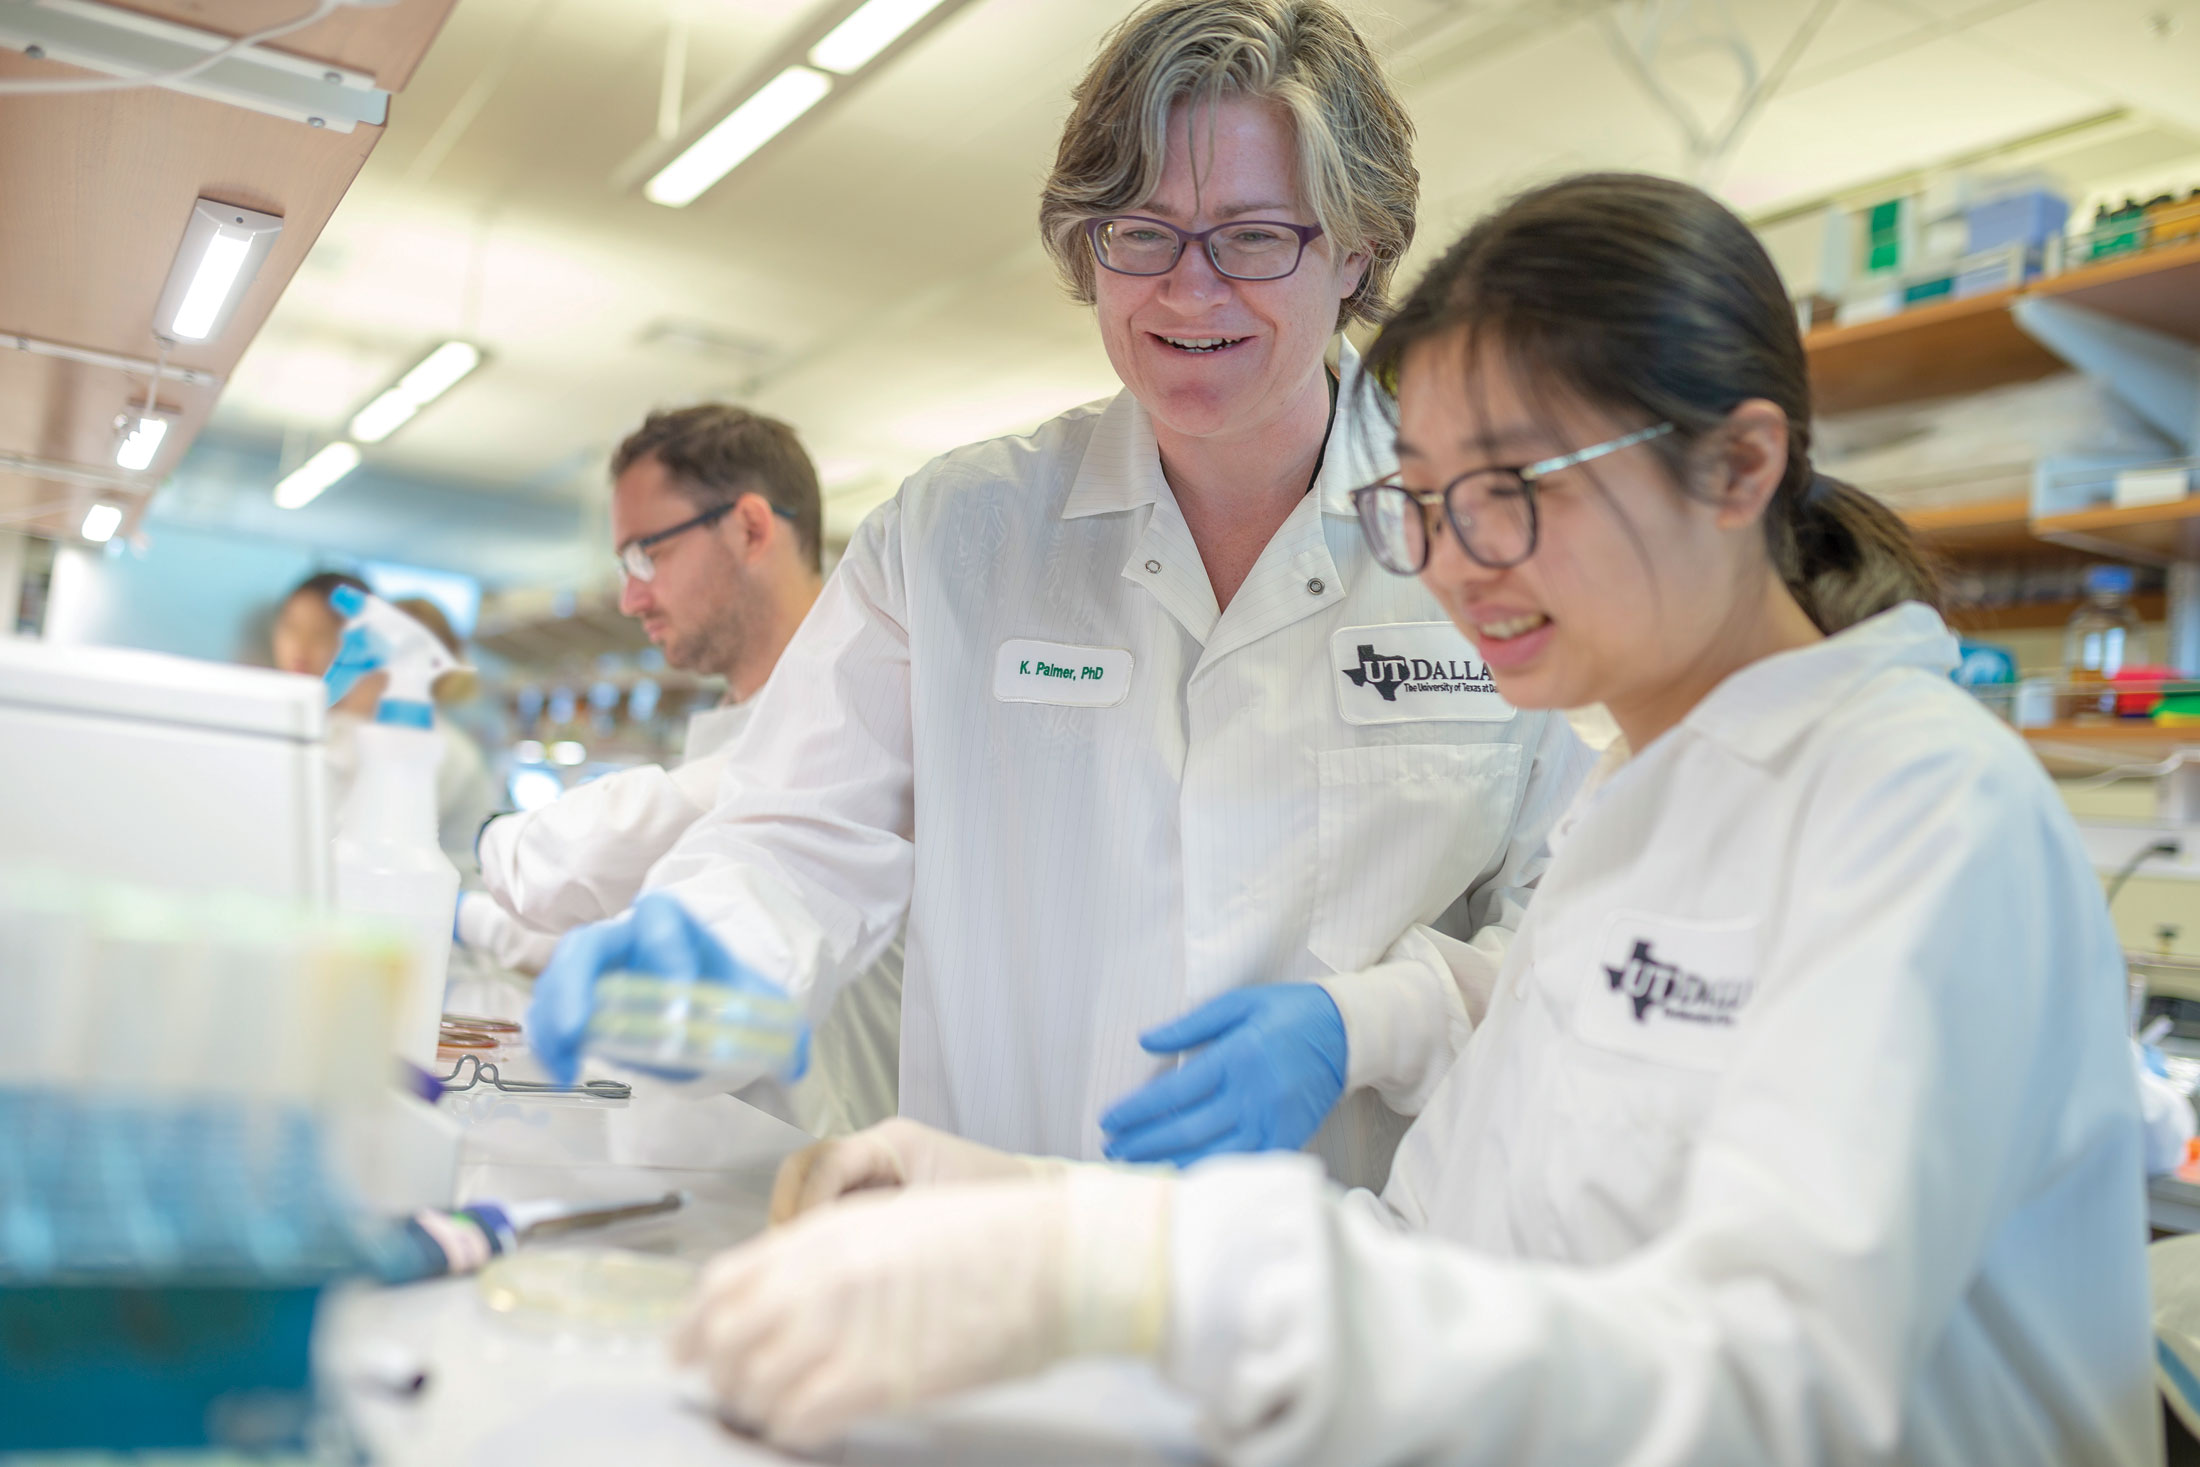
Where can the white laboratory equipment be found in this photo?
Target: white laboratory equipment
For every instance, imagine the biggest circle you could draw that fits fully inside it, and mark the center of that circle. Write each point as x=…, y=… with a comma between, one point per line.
x=389, y=865
x=164, y=771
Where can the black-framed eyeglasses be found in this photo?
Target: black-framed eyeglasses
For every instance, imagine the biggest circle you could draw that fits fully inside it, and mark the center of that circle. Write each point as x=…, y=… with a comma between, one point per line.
x=1243, y=249
x=634, y=556
x=1491, y=511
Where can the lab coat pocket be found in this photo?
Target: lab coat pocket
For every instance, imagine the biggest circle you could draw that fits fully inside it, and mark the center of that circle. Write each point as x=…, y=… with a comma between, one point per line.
x=1401, y=831
x=1616, y=1152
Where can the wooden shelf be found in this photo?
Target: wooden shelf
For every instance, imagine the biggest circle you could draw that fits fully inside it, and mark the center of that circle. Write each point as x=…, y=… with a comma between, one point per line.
x=1931, y=351
x=2115, y=734
x=2159, y=289
x=2043, y=616
x=1970, y=345
x=2153, y=532
x=1984, y=527
x=2124, y=741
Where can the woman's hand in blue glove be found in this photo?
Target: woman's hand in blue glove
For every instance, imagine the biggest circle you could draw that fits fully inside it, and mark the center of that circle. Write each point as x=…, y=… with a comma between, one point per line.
x=657, y=936
x=1272, y=1067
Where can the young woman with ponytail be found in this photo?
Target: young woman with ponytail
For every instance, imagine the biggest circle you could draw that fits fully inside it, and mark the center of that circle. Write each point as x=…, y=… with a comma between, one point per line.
x=1799, y=1125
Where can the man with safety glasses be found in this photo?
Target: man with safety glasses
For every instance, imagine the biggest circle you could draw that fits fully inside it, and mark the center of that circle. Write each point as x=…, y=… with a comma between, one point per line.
x=716, y=518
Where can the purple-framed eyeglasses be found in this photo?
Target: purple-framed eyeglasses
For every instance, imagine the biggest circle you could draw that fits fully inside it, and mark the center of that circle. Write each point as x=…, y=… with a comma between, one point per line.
x=1243, y=249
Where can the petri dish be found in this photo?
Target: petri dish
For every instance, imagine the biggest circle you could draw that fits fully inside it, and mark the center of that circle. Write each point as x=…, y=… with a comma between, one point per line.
x=594, y=1288
x=696, y=1026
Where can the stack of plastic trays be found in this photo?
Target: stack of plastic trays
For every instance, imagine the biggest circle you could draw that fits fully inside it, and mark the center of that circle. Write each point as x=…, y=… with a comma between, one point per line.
x=167, y=1219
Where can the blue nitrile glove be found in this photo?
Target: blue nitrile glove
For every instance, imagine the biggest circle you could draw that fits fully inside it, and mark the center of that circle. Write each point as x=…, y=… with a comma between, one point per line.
x=656, y=936
x=1272, y=1068
x=359, y=653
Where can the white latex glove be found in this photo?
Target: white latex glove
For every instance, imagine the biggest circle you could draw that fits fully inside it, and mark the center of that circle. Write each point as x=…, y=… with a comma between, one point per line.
x=895, y=1298
x=893, y=1153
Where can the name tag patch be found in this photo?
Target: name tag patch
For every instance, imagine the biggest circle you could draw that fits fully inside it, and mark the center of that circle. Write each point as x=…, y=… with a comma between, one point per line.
x=1055, y=672
x=1670, y=989
x=1413, y=672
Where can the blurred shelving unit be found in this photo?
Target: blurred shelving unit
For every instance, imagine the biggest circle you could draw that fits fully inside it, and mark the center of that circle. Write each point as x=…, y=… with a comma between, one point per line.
x=1969, y=345
x=2088, y=748
x=1954, y=348
x=1957, y=347
x=1940, y=350
x=2159, y=288
x=2158, y=533
x=2042, y=616
x=559, y=633
x=1989, y=527
x=570, y=669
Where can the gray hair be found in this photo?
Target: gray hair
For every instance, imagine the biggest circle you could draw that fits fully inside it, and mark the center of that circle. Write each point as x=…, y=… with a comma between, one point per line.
x=1355, y=141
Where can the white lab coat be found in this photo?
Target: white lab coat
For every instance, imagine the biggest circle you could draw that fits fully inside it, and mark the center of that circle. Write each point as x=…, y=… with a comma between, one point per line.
x=581, y=858
x=1188, y=807
x=1859, y=1182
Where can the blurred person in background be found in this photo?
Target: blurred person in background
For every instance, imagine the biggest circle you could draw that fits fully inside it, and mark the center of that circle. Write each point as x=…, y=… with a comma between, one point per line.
x=304, y=640
x=719, y=529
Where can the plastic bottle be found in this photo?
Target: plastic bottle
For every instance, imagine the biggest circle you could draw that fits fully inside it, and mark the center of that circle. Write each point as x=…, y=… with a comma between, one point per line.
x=389, y=864
x=2101, y=639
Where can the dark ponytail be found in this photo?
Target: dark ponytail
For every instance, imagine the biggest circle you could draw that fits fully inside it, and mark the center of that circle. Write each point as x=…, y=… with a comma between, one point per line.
x=1846, y=556
x=1647, y=296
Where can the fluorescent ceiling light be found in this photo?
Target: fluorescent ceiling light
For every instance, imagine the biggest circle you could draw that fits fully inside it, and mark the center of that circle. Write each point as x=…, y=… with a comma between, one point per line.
x=100, y=523
x=437, y=373
x=137, y=450
x=738, y=134
x=211, y=284
x=304, y=483
x=851, y=45
x=222, y=250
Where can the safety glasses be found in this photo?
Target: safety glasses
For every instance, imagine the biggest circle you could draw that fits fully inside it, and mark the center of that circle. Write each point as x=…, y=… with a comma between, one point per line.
x=1491, y=511
x=634, y=556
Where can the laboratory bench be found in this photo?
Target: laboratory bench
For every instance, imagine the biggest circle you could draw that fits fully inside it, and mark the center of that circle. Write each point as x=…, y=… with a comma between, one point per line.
x=548, y=1392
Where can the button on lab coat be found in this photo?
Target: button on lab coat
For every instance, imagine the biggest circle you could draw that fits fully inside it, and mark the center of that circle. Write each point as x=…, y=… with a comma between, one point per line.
x=1801, y=1128
x=1080, y=860
x=581, y=858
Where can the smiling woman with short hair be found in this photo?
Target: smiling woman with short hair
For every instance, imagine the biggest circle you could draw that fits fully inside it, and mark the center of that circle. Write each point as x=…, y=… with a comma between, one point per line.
x=1217, y=839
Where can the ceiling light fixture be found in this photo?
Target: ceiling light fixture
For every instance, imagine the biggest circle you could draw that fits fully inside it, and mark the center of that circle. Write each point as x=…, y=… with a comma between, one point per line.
x=437, y=373
x=769, y=111
x=222, y=250
x=857, y=41
x=136, y=451
x=304, y=484
x=100, y=523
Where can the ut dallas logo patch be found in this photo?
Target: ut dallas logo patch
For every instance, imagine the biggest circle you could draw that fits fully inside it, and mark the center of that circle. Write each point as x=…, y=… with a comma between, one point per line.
x=1676, y=990
x=1412, y=671
x=1387, y=674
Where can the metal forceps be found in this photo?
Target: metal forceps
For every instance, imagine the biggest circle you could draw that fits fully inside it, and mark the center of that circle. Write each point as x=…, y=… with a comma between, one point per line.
x=487, y=1073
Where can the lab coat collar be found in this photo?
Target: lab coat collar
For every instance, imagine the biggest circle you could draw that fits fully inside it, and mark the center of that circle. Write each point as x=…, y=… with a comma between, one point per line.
x=1360, y=441
x=1122, y=464
x=1121, y=468
x=1769, y=705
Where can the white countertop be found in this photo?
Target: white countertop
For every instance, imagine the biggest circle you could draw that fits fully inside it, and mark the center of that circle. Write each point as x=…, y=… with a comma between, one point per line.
x=504, y=1390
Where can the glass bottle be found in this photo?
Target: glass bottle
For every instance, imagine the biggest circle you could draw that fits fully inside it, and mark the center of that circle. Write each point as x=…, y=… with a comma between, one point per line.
x=2101, y=639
